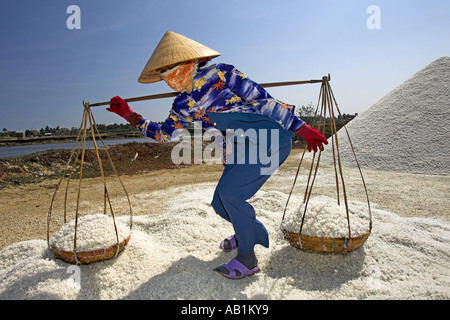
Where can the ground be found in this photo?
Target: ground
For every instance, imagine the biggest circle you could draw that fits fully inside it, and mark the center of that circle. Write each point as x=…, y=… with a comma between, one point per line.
x=24, y=208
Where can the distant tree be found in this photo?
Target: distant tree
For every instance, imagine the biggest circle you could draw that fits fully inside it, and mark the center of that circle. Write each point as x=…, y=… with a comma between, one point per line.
x=64, y=132
x=306, y=113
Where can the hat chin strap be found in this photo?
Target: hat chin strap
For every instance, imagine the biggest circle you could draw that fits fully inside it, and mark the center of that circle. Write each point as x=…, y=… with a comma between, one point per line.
x=168, y=72
x=194, y=72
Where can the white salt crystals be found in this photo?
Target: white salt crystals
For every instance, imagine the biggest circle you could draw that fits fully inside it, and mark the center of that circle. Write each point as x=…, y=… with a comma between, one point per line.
x=94, y=232
x=405, y=131
x=405, y=257
x=325, y=218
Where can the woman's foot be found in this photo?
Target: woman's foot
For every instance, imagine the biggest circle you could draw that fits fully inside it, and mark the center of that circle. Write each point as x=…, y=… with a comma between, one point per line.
x=242, y=266
x=229, y=244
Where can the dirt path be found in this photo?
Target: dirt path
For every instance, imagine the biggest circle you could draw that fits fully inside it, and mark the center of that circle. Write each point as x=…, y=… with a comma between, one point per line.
x=24, y=209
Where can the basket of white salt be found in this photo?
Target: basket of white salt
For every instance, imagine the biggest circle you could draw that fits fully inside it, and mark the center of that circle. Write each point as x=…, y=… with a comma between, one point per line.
x=325, y=227
x=320, y=223
x=97, y=237
x=92, y=236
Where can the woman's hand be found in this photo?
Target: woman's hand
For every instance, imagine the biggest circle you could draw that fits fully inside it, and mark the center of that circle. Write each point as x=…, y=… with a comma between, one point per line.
x=120, y=107
x=313, y=137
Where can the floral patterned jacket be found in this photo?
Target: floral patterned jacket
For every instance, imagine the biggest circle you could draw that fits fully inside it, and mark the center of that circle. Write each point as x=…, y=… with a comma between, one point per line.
x=219, y=88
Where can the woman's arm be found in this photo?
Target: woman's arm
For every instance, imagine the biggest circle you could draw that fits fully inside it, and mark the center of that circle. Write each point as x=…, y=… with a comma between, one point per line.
x=161, y=133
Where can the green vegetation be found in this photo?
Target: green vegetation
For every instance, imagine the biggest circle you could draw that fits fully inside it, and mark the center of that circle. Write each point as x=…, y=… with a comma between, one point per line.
x=48, y=131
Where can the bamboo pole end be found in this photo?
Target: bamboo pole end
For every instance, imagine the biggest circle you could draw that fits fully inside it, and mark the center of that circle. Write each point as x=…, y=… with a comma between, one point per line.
x=326, y=78
x=86, y=104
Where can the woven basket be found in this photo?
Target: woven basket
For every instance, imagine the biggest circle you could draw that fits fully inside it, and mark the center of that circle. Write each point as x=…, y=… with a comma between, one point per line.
x=86, y=257
x=325, y=244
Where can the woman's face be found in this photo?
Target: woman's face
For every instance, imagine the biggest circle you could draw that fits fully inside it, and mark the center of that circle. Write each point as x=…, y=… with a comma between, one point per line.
x=179, y=76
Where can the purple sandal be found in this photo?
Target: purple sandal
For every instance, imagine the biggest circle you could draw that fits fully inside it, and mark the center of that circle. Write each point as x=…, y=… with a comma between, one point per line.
x=237, y=270
x=233, y=243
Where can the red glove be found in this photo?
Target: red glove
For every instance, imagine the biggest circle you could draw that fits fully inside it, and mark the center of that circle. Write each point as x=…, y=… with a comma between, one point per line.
x=120, y=107
x=314, y=138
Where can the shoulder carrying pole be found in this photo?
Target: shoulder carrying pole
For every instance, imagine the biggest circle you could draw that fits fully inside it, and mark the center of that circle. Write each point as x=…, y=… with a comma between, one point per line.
x=174, y=94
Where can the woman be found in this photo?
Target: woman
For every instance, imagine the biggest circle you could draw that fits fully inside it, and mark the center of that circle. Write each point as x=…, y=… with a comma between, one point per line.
x=223, y=98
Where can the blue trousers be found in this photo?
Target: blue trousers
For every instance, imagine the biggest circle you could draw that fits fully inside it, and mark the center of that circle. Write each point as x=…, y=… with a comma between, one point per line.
x=242, y=178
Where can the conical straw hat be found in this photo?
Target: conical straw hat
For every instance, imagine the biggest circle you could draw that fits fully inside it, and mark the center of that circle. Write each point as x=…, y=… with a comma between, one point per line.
x=173, y=48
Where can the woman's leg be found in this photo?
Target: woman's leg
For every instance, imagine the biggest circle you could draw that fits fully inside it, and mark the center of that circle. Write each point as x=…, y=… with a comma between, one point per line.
x=239, y=182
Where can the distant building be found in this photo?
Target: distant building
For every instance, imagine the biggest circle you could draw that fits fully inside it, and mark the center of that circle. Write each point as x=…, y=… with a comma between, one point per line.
x=19, y=134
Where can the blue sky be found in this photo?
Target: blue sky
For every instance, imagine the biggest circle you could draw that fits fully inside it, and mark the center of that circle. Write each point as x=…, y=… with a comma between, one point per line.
x=47, y=70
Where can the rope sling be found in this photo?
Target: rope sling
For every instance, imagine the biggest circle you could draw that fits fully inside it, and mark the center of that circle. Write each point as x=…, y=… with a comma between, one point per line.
x=75, y=256
x=327, y=113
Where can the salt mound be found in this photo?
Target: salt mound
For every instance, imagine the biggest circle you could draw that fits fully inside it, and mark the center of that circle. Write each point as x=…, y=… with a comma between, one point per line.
x=94, y=232
x=407, y=130
x=325, y=218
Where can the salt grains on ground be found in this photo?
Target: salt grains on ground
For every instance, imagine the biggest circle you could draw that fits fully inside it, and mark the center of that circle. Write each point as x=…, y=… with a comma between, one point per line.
x=171, y=256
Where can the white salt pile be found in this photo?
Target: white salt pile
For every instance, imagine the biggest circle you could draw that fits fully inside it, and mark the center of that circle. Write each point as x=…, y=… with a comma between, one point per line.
x=324, y=217
x=171, y=256
x=407, y=130
x=94, y=232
